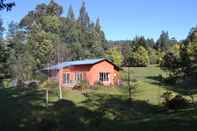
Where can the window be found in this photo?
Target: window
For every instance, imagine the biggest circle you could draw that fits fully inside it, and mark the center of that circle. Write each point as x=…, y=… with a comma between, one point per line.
x=78, y=76
x=104, y=76
x=66, y=78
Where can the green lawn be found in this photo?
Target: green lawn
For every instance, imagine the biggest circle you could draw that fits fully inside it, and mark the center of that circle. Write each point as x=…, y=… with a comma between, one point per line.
x=102, y=109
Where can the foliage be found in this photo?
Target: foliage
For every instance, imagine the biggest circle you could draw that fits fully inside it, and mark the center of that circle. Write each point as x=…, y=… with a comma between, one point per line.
x=49, y=84
x=84, y=18
x=139, y=57
x=8, y=5
x=22, y=66
x=70, y=14
x=174, y=102
x=181, y=63
x=164, y=43
x=115, y=55
x=82, y=86
x=170, y=62
x=21, y=62
x=178, y=102
x=167, y=96
x=154, y=56
x=4, y=54
x=42, y=47
x=46, y=29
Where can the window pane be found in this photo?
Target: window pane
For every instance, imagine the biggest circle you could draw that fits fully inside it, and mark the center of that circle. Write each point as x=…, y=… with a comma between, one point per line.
x=103, y=76
x=66, y=78
x=78, y=76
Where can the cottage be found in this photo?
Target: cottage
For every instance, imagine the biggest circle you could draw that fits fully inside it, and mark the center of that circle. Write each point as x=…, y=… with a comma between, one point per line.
x=91, y=70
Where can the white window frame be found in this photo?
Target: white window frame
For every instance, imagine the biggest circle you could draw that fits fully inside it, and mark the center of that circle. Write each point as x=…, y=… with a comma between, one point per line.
x=78, y=76
x=104, y=76
x=66, y=78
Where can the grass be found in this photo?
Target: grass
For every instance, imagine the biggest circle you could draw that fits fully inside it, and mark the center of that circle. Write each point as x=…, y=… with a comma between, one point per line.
x=102, y=109
x=148, y=88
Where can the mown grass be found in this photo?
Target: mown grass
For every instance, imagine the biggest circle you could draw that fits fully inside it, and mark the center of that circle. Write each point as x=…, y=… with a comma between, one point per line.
x=102, y=109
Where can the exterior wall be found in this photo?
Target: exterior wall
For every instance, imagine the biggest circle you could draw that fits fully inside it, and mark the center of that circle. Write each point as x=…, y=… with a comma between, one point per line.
x=91, y=73
x=71, y=70
x=104, y=66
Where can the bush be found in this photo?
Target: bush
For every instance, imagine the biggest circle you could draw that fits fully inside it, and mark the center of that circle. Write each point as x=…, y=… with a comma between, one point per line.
x=154, y=56
x=49, y=84
x=7, y=83
x=167, y=96
x=178, y=102
x=171, y=64
x=139, y=57
x=82, y=85
x=174, y=102
x=98, y=84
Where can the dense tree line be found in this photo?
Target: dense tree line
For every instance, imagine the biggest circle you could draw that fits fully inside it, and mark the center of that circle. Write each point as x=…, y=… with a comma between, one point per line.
x=44, y=37
x=142, y=52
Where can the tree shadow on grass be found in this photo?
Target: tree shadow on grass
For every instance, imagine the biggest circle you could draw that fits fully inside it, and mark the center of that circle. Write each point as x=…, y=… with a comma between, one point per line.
x=184, y=88
x=113, y=113
x=23, y=110
x=19, y=108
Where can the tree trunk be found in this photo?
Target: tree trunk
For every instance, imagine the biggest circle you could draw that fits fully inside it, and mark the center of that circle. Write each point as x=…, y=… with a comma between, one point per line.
x=47, y=97
x=59, y=84
x=60, y=91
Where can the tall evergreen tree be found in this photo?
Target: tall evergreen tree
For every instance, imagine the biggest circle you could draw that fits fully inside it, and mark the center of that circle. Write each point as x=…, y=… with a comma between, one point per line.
x=163, y=41
x=71, y=14
x=98, y=26
x=54, y=9
x=84, y=18
x=20, y=60
x=4, y=54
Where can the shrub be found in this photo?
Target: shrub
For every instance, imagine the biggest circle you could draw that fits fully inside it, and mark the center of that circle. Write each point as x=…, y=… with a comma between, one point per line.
x=154, y=56
x=178, y=102
x=7, y=83
x=167, y=96
x=49, y=84
x=139, y=57
x=174, y=102
x=98, y=84
x=82, y=85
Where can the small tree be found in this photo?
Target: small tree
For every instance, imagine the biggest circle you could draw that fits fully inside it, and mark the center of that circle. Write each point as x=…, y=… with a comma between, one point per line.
x=170, y=63
x=47, y=86
x=84, y=86
x=131, y=84
x=139, y=57
x=115, y=55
